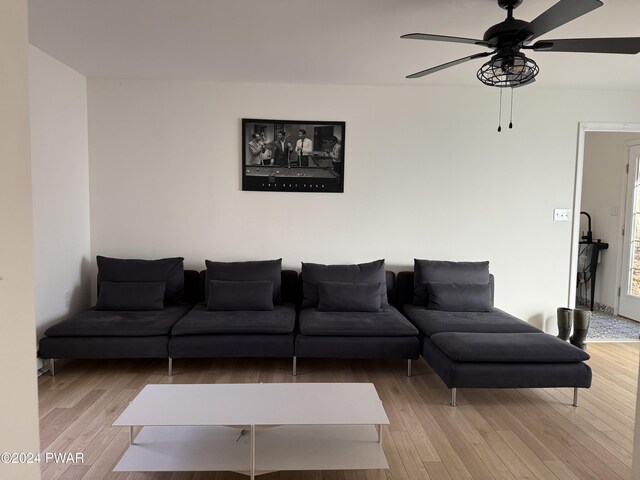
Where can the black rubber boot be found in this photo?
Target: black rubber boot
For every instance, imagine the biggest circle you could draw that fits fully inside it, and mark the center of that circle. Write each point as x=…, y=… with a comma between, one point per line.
x=581, y=321
x=565, y=319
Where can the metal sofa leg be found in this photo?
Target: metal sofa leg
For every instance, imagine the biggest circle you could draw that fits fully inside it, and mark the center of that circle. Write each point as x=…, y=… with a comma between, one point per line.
x=408, y=367
x=170, y=372
x=52, y=367
x=575, y=396
x=295, y=366
x=453, y=397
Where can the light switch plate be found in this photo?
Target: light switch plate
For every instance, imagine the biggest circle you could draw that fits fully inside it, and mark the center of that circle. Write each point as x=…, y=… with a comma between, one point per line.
x=561, y=214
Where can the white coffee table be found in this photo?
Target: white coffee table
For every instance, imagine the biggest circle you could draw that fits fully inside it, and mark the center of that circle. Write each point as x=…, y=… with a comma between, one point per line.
x=254, y=428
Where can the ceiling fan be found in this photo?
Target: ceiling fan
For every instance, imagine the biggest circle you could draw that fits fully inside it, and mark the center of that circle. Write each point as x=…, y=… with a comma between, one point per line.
x=509, y=66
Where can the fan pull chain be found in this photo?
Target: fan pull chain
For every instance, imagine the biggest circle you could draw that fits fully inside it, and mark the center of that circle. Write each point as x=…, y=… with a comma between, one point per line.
x=500, y=114
x=511, y=113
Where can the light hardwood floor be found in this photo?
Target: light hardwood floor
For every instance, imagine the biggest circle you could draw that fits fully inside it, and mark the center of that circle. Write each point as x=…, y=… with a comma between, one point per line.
x=492, y=434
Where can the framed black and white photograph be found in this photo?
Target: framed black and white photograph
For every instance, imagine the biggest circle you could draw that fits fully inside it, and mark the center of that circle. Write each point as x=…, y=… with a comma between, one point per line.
x=293, y=155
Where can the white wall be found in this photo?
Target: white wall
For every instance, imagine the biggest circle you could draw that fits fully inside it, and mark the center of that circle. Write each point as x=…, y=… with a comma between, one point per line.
x=18, y=401
x=60, y=176
x=427, y=176
x=603, y=186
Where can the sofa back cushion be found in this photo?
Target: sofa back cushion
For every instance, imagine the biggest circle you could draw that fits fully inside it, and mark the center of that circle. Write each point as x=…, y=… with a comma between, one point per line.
x=168, y=270
x=225, y=295
x=268, y=270
x=404, y=289
x=131, y=296
x=349, y=297
x=314, y=273
x=426, y=271
x=459, y=297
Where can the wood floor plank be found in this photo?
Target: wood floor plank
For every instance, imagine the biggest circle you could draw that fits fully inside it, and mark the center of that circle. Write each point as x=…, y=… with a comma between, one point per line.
x=403, y=406
x=439, y=437
x=527, y=456
x=437, y=471
x=63, y=417
x=102, y=467
x=355, y=475
x=565, y=438
x=376, y=475
x=577, y=424
x=393, y=457
x=138, y=476
x=620, y=433
x=497, y=414
x=184, y=476
x=560, y=470
x=408, y=454
x=74, y=472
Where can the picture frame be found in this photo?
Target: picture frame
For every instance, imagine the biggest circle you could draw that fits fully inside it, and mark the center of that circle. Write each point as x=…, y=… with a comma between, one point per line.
x=293, y=155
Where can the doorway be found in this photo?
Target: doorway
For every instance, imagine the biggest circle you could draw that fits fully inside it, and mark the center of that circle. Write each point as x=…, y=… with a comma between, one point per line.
x=603, y=203
x=629, y=294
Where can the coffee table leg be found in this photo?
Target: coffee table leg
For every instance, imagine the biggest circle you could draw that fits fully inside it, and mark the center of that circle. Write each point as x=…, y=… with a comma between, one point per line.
x=131, y=435
x=379, y=433
x=253, y=452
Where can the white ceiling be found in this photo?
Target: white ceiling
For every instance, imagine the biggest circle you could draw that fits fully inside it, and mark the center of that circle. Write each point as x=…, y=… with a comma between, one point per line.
x=319, y=41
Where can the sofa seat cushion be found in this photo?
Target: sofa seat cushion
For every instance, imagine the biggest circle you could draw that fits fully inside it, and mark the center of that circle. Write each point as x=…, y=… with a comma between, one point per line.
x=100, y=323
x=507, y=348
x=431, y=322
x=388, y=322
x=199, y=321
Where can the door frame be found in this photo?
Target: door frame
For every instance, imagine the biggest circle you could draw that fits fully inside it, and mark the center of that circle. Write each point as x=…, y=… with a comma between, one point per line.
x=623, y=243
x=583, y=128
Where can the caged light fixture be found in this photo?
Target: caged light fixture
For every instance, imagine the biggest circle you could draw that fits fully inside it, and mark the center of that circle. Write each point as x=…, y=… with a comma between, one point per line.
x=508, y=71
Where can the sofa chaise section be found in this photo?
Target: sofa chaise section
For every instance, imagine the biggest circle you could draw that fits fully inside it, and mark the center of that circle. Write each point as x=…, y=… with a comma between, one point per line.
x=488, y=348
x=506, y=360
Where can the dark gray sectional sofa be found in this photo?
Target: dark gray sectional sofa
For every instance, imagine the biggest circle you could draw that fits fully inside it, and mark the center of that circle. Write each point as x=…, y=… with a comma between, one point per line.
x=444, y=312
x=490, y=348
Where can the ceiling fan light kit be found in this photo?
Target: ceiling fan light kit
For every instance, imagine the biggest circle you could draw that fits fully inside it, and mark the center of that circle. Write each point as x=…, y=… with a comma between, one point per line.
x=513, y=71
x=509, y=67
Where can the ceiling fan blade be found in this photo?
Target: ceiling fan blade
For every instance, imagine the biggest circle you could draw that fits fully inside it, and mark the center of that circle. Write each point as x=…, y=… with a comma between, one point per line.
x=562, y=12
x=628, y=45
x=443, y=38
x=448, y=64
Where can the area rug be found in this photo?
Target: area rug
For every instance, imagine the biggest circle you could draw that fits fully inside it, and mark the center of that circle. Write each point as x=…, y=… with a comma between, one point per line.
x=610, y=327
